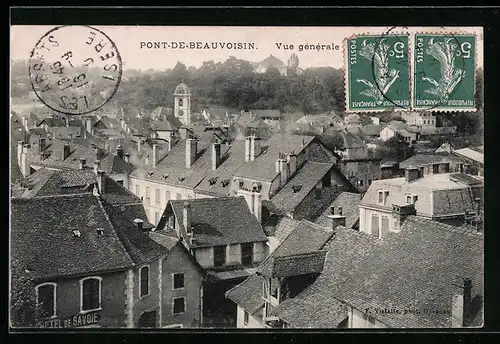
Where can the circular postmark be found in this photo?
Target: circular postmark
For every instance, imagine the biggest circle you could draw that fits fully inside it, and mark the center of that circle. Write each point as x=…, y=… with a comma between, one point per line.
x=385, y=76
x=75, y=69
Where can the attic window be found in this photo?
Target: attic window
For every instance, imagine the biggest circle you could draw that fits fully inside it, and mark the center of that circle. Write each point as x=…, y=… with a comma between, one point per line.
x=100, y=231
x=181, y=179
x=296, y=188
x=212, y=181
x=382, y=196
x=77, y=233
x=224, y=183
x=165, y=175
x=150, y=173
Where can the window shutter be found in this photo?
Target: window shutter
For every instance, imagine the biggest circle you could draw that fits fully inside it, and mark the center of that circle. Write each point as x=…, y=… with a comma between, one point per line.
x=375, y=226
x=385, y=225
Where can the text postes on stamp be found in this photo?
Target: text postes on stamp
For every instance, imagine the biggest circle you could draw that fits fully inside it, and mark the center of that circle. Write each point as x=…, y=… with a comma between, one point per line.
x=75, y=69
x=444, y=75
x=378, y=73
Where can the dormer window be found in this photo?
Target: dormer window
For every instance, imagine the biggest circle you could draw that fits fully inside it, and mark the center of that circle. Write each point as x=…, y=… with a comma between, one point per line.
x=382, y=196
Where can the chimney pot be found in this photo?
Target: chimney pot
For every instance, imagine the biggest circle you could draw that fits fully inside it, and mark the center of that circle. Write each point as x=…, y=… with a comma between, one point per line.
x=119, y=151
x=247, y=148
x=191, y=151
x=101, y=181
x=337, y=220
x=82, y=163
x=66, y=151
x=186, y=216
x=216, y=147
x=155, y=154
x=461, y=304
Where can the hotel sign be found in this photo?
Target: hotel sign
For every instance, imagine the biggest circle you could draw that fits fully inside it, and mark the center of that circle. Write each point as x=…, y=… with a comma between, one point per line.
x=79, y=320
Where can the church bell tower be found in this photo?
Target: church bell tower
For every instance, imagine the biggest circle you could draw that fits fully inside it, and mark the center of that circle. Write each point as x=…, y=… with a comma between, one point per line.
x=182, y=103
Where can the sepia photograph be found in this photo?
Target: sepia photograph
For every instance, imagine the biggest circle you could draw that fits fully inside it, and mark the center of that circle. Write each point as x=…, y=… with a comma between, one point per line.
x=244, y=177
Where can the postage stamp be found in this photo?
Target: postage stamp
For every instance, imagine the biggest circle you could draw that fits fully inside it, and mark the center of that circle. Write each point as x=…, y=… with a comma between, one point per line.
x=445, y=74
x=378, y=73
x=75, y=69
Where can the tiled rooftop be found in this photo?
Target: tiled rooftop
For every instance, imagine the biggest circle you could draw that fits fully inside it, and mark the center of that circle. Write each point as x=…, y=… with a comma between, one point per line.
x=264, y=166
x=47, y=246
x=219, y=221
x=348, y=201
x=414, y=269
x=288, y=198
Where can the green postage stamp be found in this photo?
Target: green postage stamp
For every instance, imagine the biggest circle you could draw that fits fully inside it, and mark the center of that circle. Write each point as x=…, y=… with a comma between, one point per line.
x=419, y=71
x=378, y=73
x=444, y=76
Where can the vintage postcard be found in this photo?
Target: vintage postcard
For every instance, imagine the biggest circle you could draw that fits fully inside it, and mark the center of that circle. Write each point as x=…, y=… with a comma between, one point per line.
x=170, y=177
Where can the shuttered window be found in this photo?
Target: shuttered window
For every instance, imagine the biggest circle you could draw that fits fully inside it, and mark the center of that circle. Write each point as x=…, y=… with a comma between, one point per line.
x=385, y=225
x=375, y=225
x=144, y=275
x=91, y=294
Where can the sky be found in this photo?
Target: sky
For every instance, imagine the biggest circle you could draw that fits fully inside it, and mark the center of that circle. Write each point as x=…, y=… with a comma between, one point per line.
x=265, y=39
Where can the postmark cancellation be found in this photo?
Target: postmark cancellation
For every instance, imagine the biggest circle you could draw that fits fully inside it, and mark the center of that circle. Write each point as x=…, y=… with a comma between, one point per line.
x=75, y=69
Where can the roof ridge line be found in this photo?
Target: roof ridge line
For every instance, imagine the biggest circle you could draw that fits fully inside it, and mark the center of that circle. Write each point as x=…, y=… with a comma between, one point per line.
x=81, y=194
x=99, y=201
x=448, y=228
x=293, y=255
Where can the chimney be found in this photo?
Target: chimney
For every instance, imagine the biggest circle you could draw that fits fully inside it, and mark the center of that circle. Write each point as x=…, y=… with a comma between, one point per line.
x=66, y=151
x=139, y=144
x=101, y=181
x=247, y=148
x=97, y=166
x=25, y=163
x=284, y=168
x=170, y=139
x=127, y=157
x=411, y=174
x=82, y=163
x=155, y=154
x=20, y=145
x=255, y=149
x=186, y=216
x=215, y=155
x=400, y=213
x=292, y=162
x=119, y=151
x=257, y=206
x=336, y=220
x=254, y=202
x=122, y=123
x=461, y=304
x=88, y=124
x=191, y=151
x=25, y=123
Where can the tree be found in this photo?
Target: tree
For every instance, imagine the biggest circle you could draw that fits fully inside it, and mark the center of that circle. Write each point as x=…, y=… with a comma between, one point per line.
x=23, y=310
x=396, y=147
